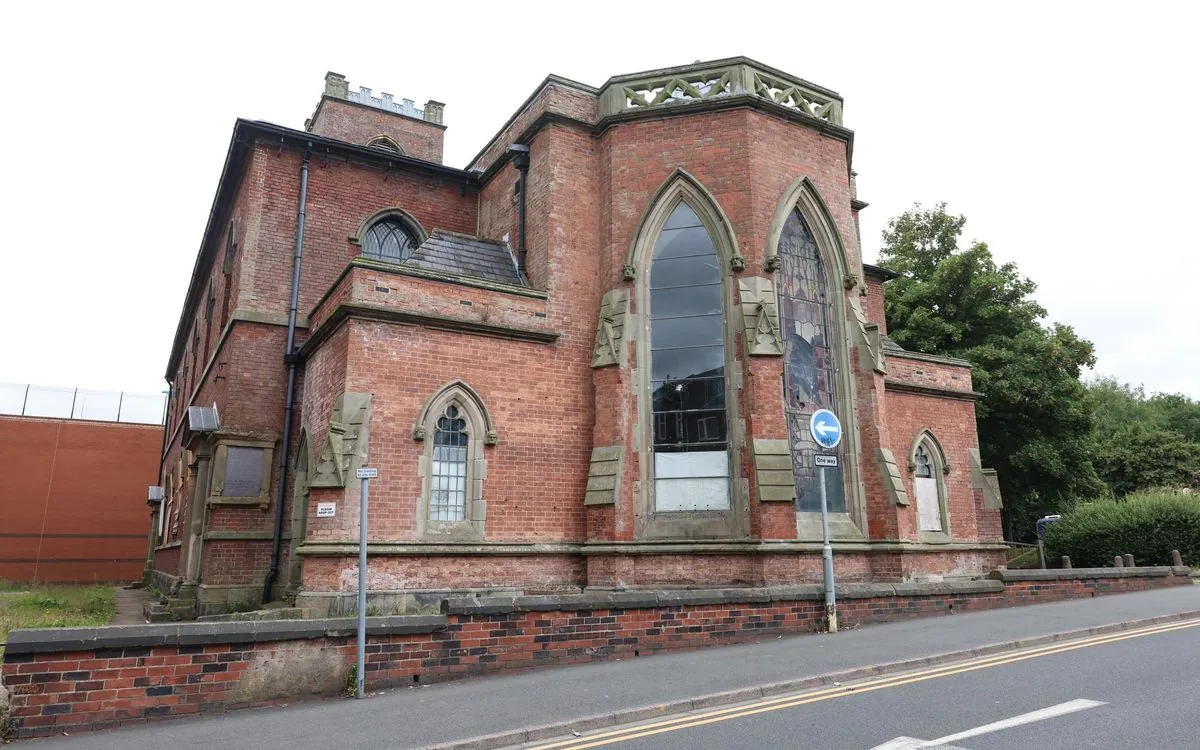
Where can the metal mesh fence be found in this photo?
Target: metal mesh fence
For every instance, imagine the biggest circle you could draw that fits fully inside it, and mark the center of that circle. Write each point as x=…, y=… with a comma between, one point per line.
x=19, y=399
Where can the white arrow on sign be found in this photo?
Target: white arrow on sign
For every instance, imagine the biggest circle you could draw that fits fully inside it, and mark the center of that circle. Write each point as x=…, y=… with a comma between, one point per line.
x=826, y=429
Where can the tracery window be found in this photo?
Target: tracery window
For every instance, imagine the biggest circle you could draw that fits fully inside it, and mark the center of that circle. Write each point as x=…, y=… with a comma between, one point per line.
x=929, y=487
x=448, y=491
x=389, y=239
x=810, y=361
x=454, y=426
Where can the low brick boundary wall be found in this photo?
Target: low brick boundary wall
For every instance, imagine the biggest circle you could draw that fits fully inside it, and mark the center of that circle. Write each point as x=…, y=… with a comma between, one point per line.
x=86, y=678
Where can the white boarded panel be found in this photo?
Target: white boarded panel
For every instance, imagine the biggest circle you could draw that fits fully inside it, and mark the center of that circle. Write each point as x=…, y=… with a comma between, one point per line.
x=693, y=493
x=697, y=464
x=929, y=511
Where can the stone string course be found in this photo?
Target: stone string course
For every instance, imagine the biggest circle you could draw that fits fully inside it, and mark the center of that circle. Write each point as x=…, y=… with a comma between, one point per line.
x=77, y=679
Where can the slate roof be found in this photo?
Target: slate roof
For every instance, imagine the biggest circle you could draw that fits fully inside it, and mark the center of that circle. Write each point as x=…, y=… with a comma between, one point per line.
x=890, y=345
x=464, y=255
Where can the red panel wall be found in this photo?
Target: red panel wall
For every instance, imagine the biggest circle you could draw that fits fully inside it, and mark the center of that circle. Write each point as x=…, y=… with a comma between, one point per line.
x=73, y=498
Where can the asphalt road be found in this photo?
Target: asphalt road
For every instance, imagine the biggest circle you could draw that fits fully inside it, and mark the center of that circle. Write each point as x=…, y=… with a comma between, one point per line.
x=1118, y=692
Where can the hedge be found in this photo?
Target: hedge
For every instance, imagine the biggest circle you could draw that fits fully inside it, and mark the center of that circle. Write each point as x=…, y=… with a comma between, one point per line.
x=1146, y=525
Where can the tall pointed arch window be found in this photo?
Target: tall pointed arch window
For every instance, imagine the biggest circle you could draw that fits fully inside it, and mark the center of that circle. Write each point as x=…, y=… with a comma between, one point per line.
x=811, y=379
x=448, y=499
x=928, y=466
x=689, y=419
x=454, y=426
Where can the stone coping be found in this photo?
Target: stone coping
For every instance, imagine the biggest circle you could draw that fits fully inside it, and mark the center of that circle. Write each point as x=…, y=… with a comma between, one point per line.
x=1074, y=574
x=119, y=637
x=605, y=600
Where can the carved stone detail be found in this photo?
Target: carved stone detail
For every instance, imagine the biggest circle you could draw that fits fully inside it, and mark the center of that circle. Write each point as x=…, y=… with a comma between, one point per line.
x=734, y=78
x=604, y=475
x=737, y=264
x=892, y=483
x=345, y=444
x=986, y=481
x=760, y=317
x=610, y=328
x=773, y=471
x=866, y=338
x=797, y=96
x=628, y=272
x=700, y=85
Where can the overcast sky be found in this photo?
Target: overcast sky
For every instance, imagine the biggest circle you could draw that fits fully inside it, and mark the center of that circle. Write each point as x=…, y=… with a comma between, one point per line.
x=1065, y=132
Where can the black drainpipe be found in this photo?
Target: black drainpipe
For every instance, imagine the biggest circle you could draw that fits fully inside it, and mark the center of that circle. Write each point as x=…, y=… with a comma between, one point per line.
x=520, y=158
x=291, y=358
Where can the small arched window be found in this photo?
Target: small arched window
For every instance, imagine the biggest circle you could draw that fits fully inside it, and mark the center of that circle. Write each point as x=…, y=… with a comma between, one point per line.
x=389, y=239
x=383, y=143
x=455, y=426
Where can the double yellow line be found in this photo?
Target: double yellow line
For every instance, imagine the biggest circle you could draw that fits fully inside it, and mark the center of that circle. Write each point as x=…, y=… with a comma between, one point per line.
x=789, y=701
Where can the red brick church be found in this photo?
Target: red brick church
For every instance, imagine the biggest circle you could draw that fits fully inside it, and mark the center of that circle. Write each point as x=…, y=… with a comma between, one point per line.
x=587, y=360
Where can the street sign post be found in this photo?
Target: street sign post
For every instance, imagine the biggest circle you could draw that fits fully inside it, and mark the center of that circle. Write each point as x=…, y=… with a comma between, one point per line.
x=827, y=431
x=365, y=475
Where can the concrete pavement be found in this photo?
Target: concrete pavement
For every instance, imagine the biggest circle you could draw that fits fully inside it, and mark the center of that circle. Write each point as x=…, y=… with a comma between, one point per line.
x=545, y=703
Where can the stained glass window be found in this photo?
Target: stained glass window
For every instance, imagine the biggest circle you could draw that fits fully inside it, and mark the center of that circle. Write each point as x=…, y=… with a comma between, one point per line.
x=389, y=240
x=448, y=497
x=810, y=364
x=687, y=370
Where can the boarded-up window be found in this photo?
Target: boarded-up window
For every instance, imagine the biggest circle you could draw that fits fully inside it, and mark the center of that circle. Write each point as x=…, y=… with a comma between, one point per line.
x=243, y=472
x=929, y=506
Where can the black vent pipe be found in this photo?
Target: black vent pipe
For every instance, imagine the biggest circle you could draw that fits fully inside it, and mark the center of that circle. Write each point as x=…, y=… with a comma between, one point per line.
x=291, y=358
x=520, y=158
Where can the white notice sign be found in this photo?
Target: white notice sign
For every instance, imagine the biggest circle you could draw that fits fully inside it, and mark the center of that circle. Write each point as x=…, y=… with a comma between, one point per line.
x=822, y=459
x=326, y=510
x=367, y=473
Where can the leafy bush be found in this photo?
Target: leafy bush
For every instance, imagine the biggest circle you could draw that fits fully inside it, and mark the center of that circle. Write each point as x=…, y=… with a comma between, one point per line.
x=1147, y=525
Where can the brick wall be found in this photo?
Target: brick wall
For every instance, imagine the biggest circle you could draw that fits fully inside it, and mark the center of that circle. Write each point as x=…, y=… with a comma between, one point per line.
x=182, y=670
x=358, y=124
x=73, y=498
x=588, y=192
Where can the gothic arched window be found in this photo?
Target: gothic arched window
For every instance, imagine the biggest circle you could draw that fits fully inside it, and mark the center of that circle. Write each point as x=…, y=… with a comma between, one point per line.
x=448, y=473
x=810, y=360
x=689, y=420
x=389, y=239
x=928, y=466
x=455, y=426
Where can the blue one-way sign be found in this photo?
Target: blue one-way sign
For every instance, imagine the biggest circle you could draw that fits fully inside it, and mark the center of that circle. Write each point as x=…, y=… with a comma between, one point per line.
x=825, y=428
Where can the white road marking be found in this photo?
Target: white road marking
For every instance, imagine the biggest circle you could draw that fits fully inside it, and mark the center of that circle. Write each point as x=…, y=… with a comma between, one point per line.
x=1062, y=709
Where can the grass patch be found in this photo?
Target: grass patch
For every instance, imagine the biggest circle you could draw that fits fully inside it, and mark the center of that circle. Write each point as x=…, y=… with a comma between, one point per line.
x=33, y=606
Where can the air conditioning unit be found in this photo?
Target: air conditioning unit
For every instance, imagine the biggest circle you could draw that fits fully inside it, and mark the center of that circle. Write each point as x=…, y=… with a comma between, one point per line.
x=203, y=418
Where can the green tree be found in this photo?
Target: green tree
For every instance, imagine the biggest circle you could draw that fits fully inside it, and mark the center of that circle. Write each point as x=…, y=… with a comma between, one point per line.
x=1140, y=443
x=1034, y=414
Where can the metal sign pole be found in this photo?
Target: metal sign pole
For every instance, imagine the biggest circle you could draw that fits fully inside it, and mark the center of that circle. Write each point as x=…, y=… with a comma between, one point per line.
x=826, y=430
x=827, y=556
x=360, y=674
